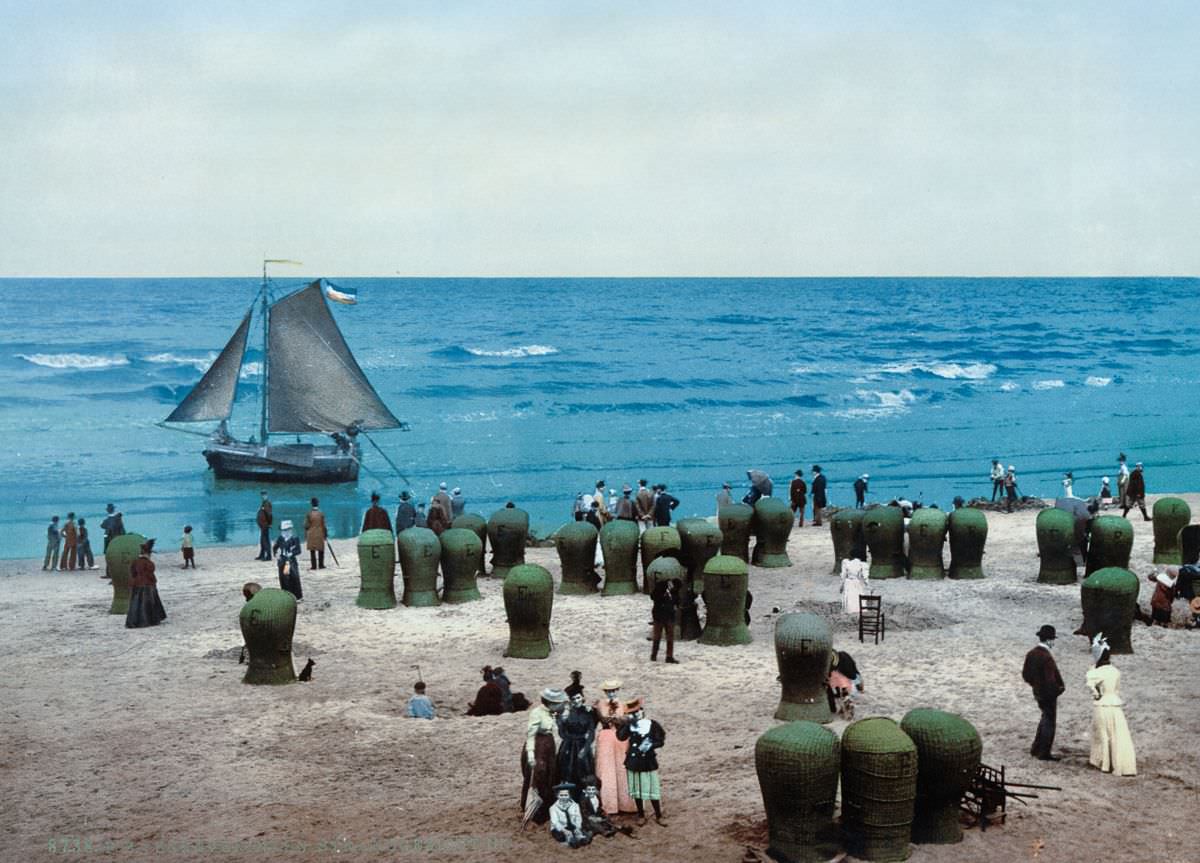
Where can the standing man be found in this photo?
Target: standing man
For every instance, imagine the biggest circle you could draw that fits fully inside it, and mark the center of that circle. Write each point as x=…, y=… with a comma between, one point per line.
x=997, y=479
x=69, y=537
x=113, y=525
x=264, y=519
x=626, y=511
x=818, y=494
x=315, y=533
x=860, y=491
x=406, y=513
x=724, y=497
x=1010, y=487
x=1041, y=673
x=52, y=540
x=442, y=499
x=798, y=494
x=1135, y=492
x=663, y=504
x=644, y=505
x=458, y=503
x=376, y=518
x=1122, y=478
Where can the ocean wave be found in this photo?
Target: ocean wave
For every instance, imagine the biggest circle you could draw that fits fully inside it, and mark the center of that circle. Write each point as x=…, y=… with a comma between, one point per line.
x=890, y=400
x=460, y=352
x=251, y=370
x=200, y=364
x=1009, y=387
x=1097, y=381
x=945, y=370
x=76, y=361
x=1052, y=384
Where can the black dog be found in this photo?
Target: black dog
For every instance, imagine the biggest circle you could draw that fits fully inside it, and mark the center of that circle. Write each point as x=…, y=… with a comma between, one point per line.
x=306, y=674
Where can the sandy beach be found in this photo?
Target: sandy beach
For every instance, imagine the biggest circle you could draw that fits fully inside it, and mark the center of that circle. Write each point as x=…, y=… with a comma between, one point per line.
x=125, y=745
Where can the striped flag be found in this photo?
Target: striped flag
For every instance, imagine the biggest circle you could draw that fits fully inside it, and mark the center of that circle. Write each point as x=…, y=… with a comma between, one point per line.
x=347, y=296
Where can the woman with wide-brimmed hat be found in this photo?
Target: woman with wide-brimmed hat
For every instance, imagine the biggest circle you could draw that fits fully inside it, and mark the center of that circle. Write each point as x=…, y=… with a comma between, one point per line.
x=610, y=751
x=645, y=737
x=539, y=768
x=145, y=608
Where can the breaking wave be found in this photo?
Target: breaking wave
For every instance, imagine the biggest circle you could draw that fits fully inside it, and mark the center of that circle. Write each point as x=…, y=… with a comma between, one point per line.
x=1096, y=381
x=200, y=364
x=1054, y=384
x=75, y=361
x=946, y=371
x=522, y=351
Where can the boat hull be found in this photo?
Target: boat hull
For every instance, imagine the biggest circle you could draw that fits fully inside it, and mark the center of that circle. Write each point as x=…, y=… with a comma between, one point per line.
x=300, y=463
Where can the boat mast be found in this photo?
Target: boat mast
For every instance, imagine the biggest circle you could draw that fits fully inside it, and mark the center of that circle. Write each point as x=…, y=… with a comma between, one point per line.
x=262, y=426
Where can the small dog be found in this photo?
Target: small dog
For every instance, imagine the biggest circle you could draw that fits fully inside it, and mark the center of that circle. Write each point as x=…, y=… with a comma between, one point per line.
x=306, y=674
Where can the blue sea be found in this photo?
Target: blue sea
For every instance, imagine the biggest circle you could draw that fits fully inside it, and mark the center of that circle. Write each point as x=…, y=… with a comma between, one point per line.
x=532, y=389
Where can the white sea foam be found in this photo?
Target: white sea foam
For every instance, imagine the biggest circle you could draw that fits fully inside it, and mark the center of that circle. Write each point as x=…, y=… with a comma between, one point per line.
x=1009, y=387
x=251, y=370
x=1096, y=381
x=887, y=400
x=201, y=364
x=75, y=361
x=521, y=351
x=948, y=371
x=1053, y=384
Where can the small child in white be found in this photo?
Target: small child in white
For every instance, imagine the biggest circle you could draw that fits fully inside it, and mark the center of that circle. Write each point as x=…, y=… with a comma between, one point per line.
x=185, y=546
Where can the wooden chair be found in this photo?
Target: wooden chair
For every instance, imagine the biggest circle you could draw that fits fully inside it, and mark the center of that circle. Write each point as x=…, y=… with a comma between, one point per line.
x=986, y=800
x=871, y=618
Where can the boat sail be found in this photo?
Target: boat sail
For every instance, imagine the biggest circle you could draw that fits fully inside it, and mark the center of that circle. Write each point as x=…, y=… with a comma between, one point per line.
x=311, y=385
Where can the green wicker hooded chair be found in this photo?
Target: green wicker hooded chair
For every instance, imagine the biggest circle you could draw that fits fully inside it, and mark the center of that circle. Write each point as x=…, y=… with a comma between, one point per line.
x=575, y=542
x=122, y=551
x=1056, y=544
x=699, y=542
x=798, y=765
x=528, y=603
x=948, y=753
x=772, y=524
x=803, y=652
x=1111, y=543
x=507, y=530
x=619, y=543
x=420, y=552
x=726, y=579
x=1108, y=597
x=968, y=529
x=846, y=528
x=734, y=521
x=883, y=529
x=926, y=537
x=879, y=789
x=268, y=621
x=376, y=569
x=1171, y=514
x=655, y=541
x=461, y=555
x=477, y=524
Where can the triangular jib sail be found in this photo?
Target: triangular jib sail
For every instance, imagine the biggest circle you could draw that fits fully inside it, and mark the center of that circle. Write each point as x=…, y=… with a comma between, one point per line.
x=212, y=397
x=315, y=383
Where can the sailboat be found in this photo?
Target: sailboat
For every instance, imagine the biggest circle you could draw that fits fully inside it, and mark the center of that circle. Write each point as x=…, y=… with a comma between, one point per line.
x=311, y=384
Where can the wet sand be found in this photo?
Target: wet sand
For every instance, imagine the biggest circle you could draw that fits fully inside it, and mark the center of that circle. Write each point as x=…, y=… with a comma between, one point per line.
x=138, y=745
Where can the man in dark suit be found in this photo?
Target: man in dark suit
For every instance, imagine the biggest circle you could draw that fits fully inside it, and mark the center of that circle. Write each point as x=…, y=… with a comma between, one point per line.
x=818, y=494
x=264, y=519
x=1041, y=673
x=663, y=504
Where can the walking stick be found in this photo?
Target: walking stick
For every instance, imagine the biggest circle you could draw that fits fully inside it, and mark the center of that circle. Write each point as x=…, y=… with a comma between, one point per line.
x=329, y=545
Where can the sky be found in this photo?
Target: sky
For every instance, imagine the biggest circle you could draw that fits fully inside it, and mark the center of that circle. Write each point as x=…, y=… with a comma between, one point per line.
x=600, y=139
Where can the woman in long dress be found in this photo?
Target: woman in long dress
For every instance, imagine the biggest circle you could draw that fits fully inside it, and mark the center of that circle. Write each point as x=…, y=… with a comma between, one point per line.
x=576, y=731
x=855, y=583
x=145, y=608
x=610, y=752
x=1112, y=745
x=539, y=770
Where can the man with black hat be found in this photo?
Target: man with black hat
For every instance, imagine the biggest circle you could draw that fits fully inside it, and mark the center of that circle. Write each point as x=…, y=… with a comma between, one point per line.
x=113, y=524
x=663, y=504
x=860, y=491
x=818, y=494
x=376, y=518
x=798, y=495
x=644, y=504
x=724, y=497
x=264, y=519
x=1041, y=673
x=406, y=513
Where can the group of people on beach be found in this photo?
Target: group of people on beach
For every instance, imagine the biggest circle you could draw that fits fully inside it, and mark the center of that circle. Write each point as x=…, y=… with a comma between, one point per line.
x=652, y=506
x=70, y=547
x=1131, y=486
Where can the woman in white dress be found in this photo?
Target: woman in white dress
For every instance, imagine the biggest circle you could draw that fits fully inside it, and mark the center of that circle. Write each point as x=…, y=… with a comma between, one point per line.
x=855, y=582
x=1112, y=745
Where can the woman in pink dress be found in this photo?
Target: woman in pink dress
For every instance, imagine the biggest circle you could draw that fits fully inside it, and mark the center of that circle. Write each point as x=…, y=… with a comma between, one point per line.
x=610, y=752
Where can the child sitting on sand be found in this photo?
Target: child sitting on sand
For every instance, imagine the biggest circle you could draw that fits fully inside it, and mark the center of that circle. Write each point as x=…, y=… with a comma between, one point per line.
x=185, y=545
